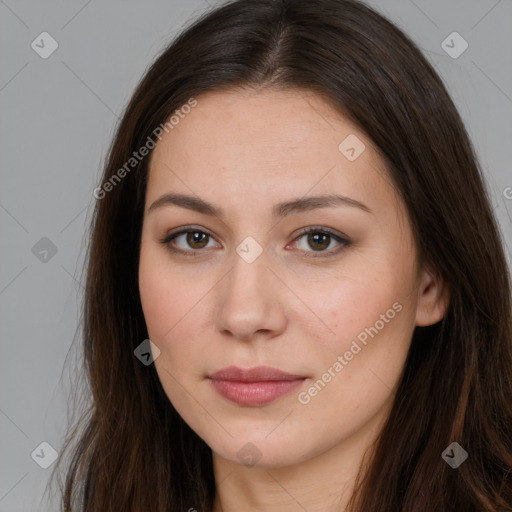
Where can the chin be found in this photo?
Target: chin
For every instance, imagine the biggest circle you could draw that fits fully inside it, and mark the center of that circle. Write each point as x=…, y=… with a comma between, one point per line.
x=262, y=452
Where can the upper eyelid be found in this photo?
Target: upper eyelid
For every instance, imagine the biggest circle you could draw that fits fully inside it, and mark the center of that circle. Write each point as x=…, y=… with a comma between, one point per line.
x=183, y=231
x=303, y=231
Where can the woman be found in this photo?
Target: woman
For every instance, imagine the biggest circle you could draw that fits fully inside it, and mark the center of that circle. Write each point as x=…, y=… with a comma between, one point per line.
x=293, y=214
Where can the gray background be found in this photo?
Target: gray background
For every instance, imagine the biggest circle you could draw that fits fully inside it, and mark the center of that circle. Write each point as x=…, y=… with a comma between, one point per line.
x=57, y=118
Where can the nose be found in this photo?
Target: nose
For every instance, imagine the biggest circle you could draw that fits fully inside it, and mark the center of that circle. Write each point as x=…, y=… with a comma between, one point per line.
x=251, y=300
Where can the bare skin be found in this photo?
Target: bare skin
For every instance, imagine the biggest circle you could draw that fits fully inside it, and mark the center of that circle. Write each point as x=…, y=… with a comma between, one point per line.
x=297, y=307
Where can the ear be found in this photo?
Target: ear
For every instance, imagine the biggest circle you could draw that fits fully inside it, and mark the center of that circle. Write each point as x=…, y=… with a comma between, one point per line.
x=433, y=299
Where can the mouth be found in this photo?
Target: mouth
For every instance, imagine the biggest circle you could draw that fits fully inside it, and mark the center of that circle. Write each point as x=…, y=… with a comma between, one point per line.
x=254, y=387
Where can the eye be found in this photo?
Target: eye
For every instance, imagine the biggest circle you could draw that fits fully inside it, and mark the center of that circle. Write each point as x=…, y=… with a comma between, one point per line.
x=193, y=239
x=320, y=239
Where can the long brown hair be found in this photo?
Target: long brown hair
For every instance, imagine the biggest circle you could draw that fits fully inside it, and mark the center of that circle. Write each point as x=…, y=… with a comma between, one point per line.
x=130, y=450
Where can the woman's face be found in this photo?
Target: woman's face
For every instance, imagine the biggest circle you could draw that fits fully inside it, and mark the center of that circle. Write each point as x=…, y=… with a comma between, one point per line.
x=247, y=288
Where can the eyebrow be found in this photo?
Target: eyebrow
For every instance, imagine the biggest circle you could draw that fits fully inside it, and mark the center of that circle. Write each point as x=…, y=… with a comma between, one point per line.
x=283, y=209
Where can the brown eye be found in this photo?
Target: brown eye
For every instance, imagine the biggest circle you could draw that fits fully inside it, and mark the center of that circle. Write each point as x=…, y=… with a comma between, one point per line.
x=318, y=241
x=321, y=241
x=189, y=242
x=197, y=239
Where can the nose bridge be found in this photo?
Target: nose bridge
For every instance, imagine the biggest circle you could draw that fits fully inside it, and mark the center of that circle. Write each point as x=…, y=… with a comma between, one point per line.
x=248, y=299
x=249, y=261
x=249, y=273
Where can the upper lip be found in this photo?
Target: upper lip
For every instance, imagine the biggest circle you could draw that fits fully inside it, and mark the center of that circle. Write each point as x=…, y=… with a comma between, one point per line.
x=256, y=374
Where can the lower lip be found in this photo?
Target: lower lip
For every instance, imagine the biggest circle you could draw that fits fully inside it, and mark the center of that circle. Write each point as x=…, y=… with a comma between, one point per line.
x=253, y=394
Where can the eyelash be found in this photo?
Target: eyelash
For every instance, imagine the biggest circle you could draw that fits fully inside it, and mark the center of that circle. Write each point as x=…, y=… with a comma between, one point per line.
x=305, y=231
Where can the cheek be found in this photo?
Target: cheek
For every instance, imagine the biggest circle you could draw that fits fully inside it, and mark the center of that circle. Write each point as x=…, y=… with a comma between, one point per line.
x=175, y=309
x=354, y=302
x=357, y=367
x=163, y=295
x=370, y=315
x=155, y=299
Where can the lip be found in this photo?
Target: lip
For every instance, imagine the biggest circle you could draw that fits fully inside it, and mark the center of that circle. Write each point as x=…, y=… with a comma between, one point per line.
x=254, y=387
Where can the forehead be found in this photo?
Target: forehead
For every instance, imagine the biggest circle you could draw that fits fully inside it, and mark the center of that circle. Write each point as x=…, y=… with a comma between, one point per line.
x=266, y=143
